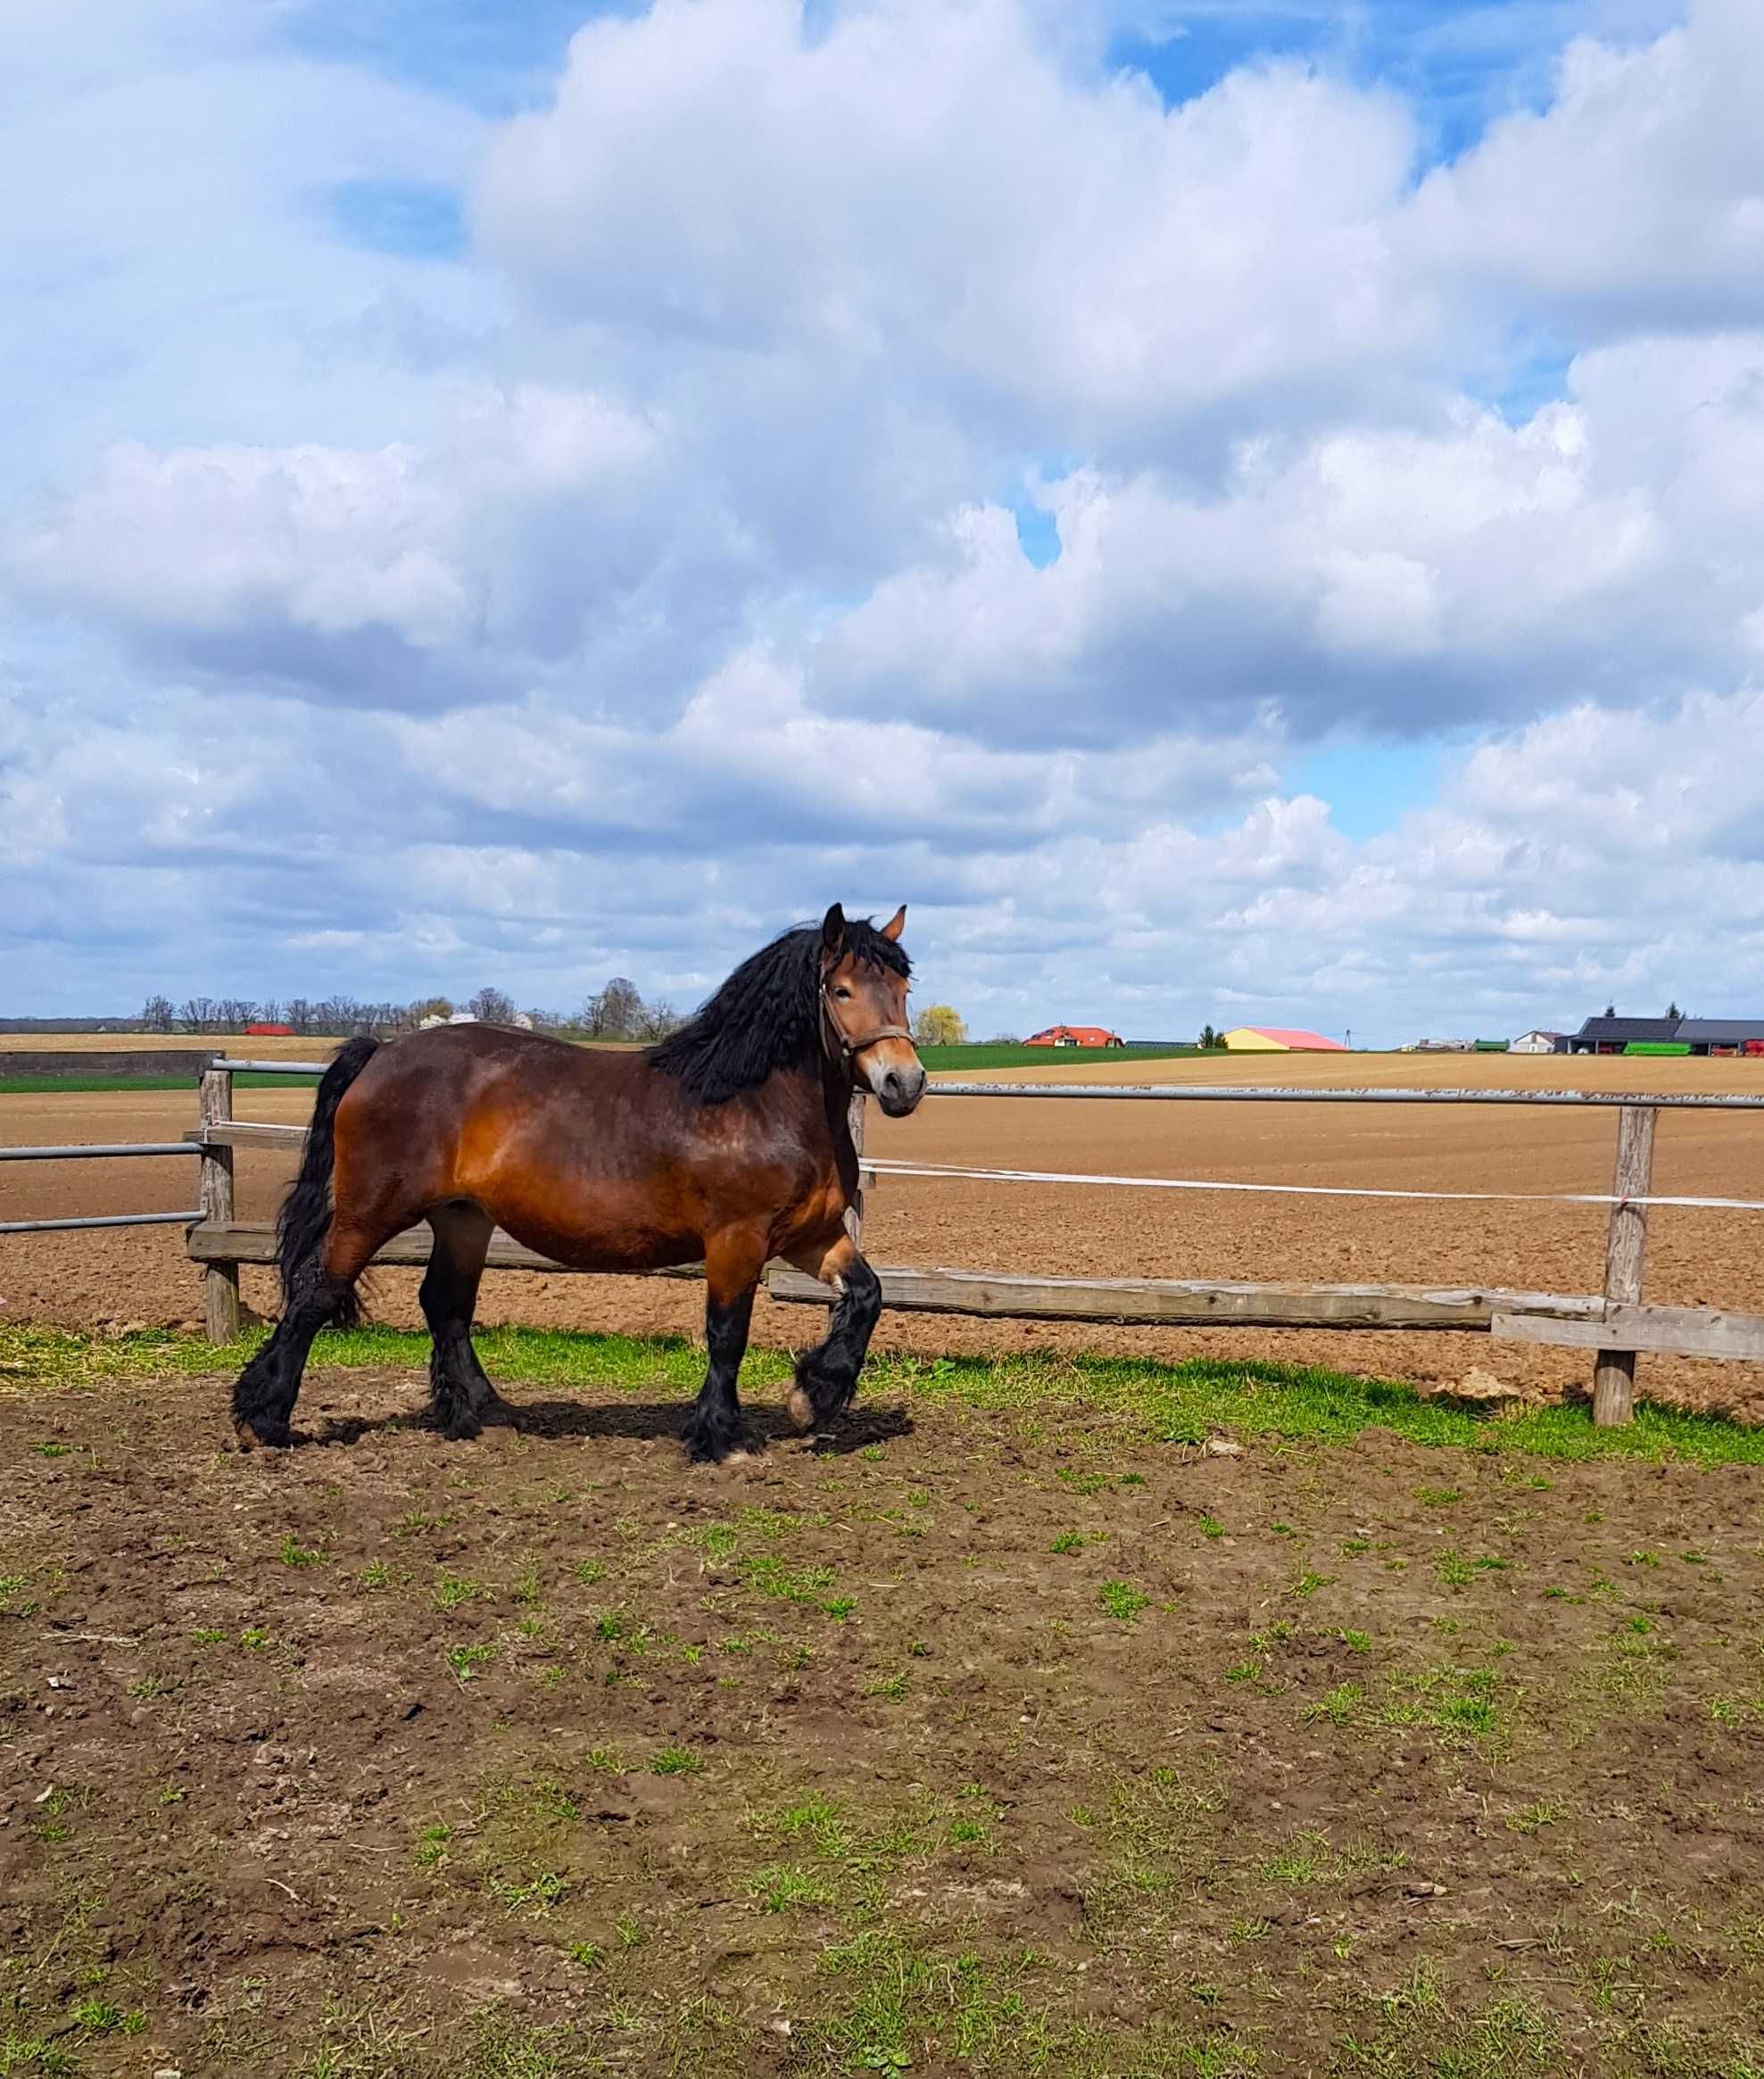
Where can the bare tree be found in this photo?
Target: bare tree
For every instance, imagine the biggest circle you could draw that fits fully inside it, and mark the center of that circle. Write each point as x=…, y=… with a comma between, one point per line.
x=659, y=1019
x=156, y=1015
x=492, y=1006
x=300, y=1014
x=617, y=1012
x=200, y=1014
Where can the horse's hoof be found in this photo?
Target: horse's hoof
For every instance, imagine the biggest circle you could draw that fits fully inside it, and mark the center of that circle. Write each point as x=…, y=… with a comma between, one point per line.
x=708, y=1447
x=272, y=1437
x=461, y=1429
x=800, y=1410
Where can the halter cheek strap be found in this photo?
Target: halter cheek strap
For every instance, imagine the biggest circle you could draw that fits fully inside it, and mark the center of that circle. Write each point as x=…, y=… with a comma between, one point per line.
x=849, y=1048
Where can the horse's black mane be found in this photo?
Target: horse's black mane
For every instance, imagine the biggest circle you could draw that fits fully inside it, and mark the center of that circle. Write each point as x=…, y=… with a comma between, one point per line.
x=766, y=1017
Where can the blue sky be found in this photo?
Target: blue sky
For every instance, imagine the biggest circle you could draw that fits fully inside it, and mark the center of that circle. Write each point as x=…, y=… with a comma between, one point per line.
x=1232, y=511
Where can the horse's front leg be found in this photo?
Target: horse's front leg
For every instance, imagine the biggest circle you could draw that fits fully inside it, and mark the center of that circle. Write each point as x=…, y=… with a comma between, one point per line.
x=826, y=1377
x=732, y=1267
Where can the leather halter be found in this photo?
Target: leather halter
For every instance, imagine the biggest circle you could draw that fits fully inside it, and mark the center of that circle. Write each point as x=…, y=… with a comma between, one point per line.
x=850, y=1048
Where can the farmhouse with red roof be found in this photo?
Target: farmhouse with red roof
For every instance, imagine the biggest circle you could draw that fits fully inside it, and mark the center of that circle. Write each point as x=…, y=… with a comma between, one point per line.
x=1075, y=1036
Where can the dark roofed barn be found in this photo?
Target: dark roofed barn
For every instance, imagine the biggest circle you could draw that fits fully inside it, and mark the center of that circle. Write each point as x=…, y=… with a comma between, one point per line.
x=1612, y=1035
x=1722, y=1035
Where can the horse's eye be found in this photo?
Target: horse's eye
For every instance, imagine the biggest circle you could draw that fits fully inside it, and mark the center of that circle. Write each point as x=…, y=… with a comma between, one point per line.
x=843, y=992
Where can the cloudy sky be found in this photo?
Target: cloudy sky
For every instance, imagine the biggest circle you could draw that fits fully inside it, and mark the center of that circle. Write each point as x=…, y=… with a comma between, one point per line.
x=1232, y=513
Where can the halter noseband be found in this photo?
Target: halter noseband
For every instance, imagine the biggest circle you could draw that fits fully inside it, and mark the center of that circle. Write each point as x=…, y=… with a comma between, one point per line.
x=850, y=1048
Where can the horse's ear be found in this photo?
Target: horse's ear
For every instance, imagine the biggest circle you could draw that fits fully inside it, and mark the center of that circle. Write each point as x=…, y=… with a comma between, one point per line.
x=833, y=931
x=896, y=924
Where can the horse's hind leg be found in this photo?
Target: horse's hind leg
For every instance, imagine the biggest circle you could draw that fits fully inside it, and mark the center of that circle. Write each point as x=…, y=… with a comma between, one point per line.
x=461, y=1396
x=732, y=1263
x=826, y=1376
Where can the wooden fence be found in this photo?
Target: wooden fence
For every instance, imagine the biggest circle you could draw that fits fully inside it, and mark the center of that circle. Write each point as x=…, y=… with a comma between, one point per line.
x=1614, y=1324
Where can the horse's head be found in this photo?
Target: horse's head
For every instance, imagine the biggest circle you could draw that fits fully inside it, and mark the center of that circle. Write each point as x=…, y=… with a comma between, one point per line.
x=864, y=1008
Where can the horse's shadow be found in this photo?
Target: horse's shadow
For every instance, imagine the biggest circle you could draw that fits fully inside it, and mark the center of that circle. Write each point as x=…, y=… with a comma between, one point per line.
x=632, y=1421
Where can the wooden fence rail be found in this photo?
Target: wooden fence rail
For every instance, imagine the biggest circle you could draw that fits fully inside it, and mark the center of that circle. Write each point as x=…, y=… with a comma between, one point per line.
x=1613, y=1324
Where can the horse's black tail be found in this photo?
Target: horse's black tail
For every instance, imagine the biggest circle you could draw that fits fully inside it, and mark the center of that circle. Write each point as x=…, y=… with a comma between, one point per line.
x=305, y=1218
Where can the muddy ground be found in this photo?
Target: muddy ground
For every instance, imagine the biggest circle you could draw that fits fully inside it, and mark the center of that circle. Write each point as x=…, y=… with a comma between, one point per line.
x=1002, y=1741
x=1694, y=1257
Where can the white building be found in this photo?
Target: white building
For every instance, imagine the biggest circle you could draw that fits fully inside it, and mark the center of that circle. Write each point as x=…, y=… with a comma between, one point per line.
x=1535, y=1042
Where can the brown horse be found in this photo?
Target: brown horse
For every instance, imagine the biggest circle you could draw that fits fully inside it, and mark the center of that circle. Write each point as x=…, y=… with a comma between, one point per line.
x=728, y=1142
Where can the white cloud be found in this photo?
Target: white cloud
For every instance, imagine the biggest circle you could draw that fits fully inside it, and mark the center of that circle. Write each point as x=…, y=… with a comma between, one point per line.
x=1634, y=199
x=608, y=596
x=929, y=193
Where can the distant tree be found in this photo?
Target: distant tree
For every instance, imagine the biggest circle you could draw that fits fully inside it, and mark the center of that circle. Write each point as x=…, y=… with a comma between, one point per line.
x=1610, y=1010
x=301, y=1016
x=659, y=1019
x=233, y=1013
x=940, y=1025
x=492, y=1006
x=1005, y=1040
x=200, y=1014
x=430, y=1007
x=1208, y=1037
x=156, y=1015
x=617, y=1012
x=1673, y=1012
x=546, y=1021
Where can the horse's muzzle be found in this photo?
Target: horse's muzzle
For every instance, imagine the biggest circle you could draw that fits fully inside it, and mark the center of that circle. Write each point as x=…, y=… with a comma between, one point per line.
x=898, y=1090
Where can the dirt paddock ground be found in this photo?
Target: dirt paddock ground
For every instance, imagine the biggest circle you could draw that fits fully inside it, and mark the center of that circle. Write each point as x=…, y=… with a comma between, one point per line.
x=995, y=1740
x=1035, y=1723
x=1694, y=1257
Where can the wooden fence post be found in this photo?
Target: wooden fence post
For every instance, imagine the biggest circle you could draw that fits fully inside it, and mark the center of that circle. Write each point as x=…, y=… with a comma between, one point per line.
x=1625, y=1244
x=220, y=1285
x=854, y=1212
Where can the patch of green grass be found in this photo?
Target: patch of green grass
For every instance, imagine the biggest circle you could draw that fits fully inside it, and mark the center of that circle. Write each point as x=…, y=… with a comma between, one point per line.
x=1122, y=1600
x=467, y=1661
x=295, y=1554
x=676, y=1761
x=1534, y=1818
x=538, y=1894
x=431, y=1849
x=1456, y=1572
x=786, y=1887
x=453, y=1589
x=1068, y=1541
x=1284, y=1401
x=1340, y=1705
x=1464, y=1701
